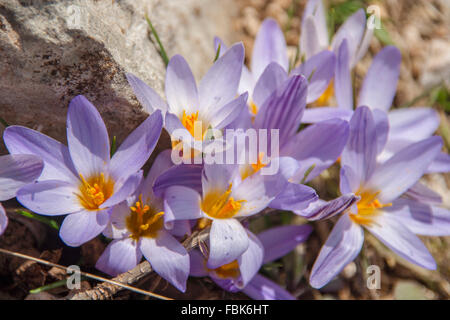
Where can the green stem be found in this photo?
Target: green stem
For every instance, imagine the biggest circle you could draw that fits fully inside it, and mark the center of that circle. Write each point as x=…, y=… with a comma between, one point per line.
x=47, y=221
x=162, y=51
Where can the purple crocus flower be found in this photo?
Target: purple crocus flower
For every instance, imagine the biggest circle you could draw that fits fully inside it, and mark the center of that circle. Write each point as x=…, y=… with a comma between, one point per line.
x=15, y=172
x=213, y=104
x=137, y=227
x=242, y=273
x=314, y=33
x=302, y=155
x=406, y=126
x=379, y=209
x=270, y=68
x=82, y=180
x=225, y=198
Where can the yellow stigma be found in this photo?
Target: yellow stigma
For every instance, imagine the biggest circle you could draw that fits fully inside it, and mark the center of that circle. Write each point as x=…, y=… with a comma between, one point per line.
x=229, y=270
x=253, y=108
x=94, y=191
x=202, y=223
x=251, y=169
x=143, y=221
x=324, y=99
x=221, y=206
x=368, y=207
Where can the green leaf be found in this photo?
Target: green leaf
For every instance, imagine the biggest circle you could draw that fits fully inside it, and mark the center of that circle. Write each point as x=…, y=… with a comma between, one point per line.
x=50, y=286
x=162, y=51
x=113, y=146
x=50, y=222
x=307, y=173
x=3, y=122
x=217, y=53
x=383, y=36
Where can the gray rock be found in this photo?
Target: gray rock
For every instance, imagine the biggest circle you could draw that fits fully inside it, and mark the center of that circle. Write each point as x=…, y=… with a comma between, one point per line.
x=51, y=51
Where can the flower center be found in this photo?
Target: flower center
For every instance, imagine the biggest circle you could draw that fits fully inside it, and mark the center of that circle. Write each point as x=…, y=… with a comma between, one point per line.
x=251, y=169
x=221, y=206
x=94, y=191
x=144, y=221
x=193, y=125
x=229, y=270
x=368, y=208
x=326, y=96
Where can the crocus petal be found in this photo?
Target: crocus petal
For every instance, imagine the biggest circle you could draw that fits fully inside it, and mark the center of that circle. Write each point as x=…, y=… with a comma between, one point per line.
x=134, y=152
x=361, y=149
x=404, y=169
x=343, y=81
x=382, y=128
x=440, y=164
x=188, y=175
x=87, y=137
x=50, y=197
x=380, y=84
x=348, y=180
x=256, y=193
x=396, y=236
x=272, y=77
x=223, y=46
x=181, y=203
x=219, y=85
x=270, y=46
x=318, y=145
x=228, y=240
x=117, y=226
x=316, y=9
x=421, y=218
x=197, y=264
x=261, y=288
x=119, y=256
x=412, y=124
x=353, y=31
x=319, y=70
x=250, y=261
x=422, y=193
x=364, y=45
x=309, y=38
x=283, y=109
x=321, y=210
x=294, y=197
x=3, y=220
x=229, y=112
x=216, y=178
x=16, y=171
x=79, y=228
x=279, y=241
x=163, y=162
x=168, y=258
x=148, y=98
x=314, y=115
x=342, y=246
x=247, y=82
x=181, y=89
x=127, y=188
x=58, y=165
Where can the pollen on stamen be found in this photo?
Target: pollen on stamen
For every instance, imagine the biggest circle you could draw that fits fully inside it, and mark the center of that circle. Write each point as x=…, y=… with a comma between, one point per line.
x=221, y=206
x=144, y=220
x=94, y=191
x=368, y=207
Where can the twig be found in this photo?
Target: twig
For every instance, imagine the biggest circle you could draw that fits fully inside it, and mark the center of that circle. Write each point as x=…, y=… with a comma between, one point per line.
x=108, y=289
x=85, y=274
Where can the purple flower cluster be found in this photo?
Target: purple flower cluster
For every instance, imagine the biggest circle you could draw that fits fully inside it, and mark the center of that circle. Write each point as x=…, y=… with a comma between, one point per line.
x=382, y=155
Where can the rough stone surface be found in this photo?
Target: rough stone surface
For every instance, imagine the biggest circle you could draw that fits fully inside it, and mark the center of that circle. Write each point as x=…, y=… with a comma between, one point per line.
x=51, y=51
